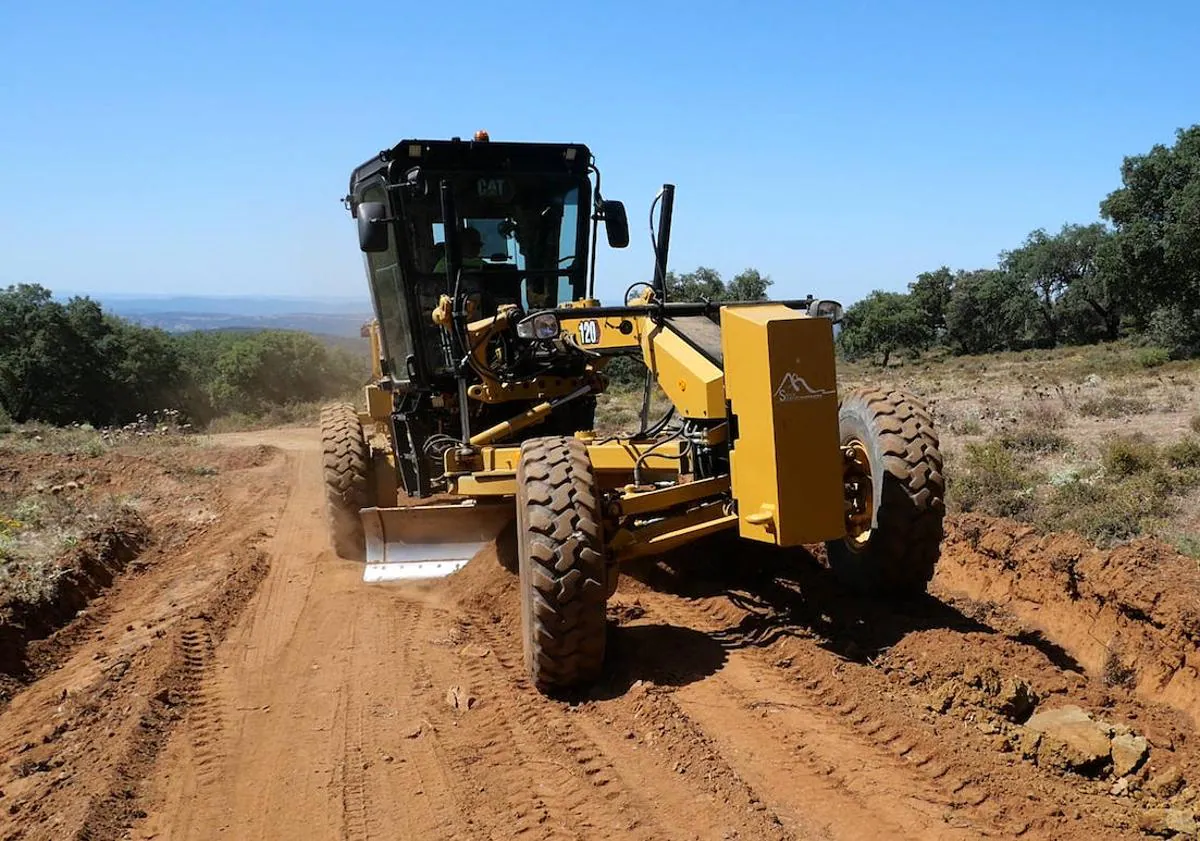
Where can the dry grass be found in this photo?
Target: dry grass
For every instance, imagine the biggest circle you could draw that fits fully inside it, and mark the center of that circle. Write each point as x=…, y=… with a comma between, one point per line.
x=292, y=414
x=619, y=409
x=1101, y=440
x=45, y=515
x=38, y=437
x=37, y=528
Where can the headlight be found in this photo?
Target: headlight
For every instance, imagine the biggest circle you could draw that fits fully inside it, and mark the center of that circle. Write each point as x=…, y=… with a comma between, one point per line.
x=542, y=326
x=826, y=309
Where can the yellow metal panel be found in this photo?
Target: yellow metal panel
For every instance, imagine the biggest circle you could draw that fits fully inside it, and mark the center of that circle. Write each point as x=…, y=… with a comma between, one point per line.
x=695, y=385
x=613, y=462
x=370, y=330
x=631, y=504
x=608, y=333
x=379, y=403
x=613, y=455
x=621, y=455
x=501, y=459
x=671, y=532
x=786, y=463
x=485, y=484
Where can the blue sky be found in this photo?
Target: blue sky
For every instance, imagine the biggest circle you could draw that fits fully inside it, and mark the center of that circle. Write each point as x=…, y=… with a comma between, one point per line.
x=838, y=147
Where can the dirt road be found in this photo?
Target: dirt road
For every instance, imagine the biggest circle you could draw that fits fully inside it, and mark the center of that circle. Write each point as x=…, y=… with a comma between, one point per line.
x=247, y=685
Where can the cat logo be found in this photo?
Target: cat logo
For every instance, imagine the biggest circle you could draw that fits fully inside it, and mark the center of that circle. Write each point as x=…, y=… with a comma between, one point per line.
x=492, y=188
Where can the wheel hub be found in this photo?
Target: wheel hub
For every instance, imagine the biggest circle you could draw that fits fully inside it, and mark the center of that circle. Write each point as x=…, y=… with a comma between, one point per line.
x=860, y=495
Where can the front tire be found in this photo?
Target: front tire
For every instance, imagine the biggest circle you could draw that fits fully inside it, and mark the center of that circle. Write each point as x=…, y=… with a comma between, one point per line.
x=563, y=577
x=346, y=474
x=895, y=436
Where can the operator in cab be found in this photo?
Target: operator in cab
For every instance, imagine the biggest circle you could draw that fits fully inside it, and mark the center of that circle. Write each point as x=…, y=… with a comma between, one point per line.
x=472, y=246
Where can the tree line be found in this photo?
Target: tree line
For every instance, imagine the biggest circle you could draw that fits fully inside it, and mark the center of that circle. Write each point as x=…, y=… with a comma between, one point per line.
x=1135, y=273
x=67, y=362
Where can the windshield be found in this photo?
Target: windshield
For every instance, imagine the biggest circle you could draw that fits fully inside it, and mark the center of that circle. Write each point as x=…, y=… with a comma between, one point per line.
x=523, y=236
x=523, y=239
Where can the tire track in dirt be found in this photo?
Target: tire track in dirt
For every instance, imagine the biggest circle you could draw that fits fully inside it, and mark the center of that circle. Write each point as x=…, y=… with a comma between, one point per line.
x=409, y=765
x=844, y=766
x=602, y=785
x=205, y=719
x=110, y=817
x=579, y=793
x=821, y=697
x=357, y=824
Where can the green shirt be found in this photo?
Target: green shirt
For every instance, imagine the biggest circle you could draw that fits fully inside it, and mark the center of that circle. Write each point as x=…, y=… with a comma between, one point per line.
x=467, y=263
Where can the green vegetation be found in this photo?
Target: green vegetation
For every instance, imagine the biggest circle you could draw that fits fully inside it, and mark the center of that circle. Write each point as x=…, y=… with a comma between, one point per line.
x=1034, y=439
x=1135, y=274
x=64, y=363
x=1134, y=489
x=1128, y=455
x=705, y=284
x=992, y=479
x=1152, y=357
x=38, y=527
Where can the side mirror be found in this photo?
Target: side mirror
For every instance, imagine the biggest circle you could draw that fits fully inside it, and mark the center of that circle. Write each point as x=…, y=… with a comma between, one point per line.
x=827, y=309
x=616, y=223
x=372, y=226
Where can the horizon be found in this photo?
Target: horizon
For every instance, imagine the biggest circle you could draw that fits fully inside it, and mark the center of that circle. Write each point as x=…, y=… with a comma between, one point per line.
x=838, y=151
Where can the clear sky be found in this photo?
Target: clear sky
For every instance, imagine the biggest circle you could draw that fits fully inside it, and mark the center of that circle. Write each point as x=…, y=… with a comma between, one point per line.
x=203, y=148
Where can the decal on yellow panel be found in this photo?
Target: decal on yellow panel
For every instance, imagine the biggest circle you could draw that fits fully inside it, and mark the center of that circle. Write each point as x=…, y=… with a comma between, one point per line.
x=786, y=462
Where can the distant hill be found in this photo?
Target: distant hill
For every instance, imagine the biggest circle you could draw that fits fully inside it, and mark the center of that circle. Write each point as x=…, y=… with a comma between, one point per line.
x=346, y=326
x=239, y=305
x=342, y=318
x=356, y=344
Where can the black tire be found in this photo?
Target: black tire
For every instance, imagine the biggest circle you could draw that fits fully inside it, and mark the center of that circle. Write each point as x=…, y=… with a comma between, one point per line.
x=346, y=471
x=908, y=493
x=561, y=564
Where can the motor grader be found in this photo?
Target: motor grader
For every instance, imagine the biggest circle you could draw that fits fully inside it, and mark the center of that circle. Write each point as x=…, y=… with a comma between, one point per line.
x=490, y=350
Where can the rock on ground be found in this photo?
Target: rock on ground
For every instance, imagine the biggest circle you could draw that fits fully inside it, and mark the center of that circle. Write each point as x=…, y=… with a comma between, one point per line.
x=1071, y=738
x=1128, y=753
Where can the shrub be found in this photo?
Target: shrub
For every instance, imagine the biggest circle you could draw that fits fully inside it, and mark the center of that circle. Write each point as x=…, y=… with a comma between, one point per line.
x=1113, y=406
x=1152, y=357
x=992, y=481
x=1107, y=513
x=1128, y=455
x=1195, y=424
x=1044, y=416
x=6, y=424
x=1036, y=440
x=970, y=426
x=1183, y=454
x=1188, y=545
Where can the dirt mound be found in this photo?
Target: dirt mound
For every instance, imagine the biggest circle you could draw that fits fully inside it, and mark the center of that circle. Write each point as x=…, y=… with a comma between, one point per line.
x=112, y=661
x=244, y=458
x=84, y=572
x=1130, y=615
x=486, y=588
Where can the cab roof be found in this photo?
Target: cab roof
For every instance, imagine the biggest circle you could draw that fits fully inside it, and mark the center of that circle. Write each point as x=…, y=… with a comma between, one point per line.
x=478, y=155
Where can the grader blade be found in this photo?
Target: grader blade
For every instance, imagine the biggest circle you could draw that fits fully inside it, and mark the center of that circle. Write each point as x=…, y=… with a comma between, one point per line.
x=428, y=541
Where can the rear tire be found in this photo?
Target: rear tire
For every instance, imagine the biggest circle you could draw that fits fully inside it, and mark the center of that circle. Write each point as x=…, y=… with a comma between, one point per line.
x=346, y=471
x=563, y=577
x=908, y=494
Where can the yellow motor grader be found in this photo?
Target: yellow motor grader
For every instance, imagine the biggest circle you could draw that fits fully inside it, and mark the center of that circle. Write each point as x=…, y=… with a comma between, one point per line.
x=490, y=350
